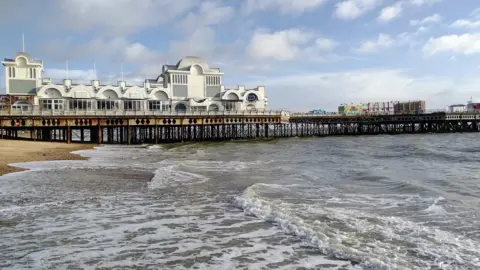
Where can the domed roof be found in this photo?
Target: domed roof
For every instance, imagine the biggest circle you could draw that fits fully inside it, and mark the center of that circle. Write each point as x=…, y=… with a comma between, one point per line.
x=188, y=61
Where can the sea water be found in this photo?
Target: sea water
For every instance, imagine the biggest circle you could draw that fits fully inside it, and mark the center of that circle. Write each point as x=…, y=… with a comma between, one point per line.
x=379, y=202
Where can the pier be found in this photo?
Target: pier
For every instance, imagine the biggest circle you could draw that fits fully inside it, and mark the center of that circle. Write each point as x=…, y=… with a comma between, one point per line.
x=124, y=127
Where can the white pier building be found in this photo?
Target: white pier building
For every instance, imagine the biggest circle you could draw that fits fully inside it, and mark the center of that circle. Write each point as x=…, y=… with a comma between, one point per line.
x=189, y=86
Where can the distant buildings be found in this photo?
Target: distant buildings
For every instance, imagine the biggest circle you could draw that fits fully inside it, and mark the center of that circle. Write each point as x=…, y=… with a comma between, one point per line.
x=190, y=85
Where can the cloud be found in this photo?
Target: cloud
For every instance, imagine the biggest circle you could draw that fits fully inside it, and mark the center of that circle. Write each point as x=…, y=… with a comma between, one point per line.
x=391, y=12
x=209, y=13
x=352, y=9
x=117, y=17
x=435, y=18
x=79, y=76
x=383, y=41
x=203, y=43
x=465, y=23
x=328, y=90
x=325, y=44
x=423, y=2
x=285, y=45
x=470, y=23
x=283, y=6
x=394, y=11
x=411, y=39
x=464, y=44
x=72, y=74
x=289, y=45
x=117, y=49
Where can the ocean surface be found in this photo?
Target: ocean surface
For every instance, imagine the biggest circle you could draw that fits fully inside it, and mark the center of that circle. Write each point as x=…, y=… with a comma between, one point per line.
x=373, y=202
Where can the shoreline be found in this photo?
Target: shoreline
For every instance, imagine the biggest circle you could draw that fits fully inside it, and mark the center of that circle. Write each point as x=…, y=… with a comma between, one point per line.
x=14, y=151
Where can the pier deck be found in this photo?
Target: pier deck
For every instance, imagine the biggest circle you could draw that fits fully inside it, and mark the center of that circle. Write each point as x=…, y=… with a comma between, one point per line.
x=107, y=127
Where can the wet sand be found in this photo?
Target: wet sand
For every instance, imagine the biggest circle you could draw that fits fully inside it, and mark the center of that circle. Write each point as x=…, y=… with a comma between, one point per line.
x=12, y=151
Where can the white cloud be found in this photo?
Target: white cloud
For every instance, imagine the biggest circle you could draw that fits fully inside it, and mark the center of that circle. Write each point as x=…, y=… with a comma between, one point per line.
x=411, y=39
x=435, y=18
x=423, y=2
x=383, y=41
x=391, y=12
x=283, y=45
x=352, y=9
x=209, y=14
x=465, y=23
x=117, y=17
x=465, y=44
x=284, y=6
x=366, y=86
x=80, y=76
x=394, y=11
x=202, y=43
x=325, y=44
x=117, y=49
x=472, y=22
x=73, y=74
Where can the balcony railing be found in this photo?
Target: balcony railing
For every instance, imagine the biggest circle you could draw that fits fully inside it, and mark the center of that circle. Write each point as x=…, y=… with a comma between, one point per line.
x=384, y=113
x=138, y=113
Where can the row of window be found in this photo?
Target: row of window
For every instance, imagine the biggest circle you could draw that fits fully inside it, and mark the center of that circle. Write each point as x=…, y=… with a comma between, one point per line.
x=11, y=72
x=213, y=80
x=32, y=72
x=183, y=79
x=128, y=105
x=179, y=78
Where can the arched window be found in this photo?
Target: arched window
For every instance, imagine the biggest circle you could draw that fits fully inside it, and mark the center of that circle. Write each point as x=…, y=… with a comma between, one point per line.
x=180, y=107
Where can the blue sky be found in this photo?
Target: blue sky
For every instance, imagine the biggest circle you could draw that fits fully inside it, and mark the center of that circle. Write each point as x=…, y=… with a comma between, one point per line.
x=308, y=53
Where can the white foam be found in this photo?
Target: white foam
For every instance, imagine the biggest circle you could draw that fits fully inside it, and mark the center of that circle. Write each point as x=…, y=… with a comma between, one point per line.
x=357, y=240
x=434, y=208
x=137, y=231
x=171, y=176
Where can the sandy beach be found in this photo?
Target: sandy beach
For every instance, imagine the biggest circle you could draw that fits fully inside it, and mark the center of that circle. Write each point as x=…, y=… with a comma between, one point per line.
x=26, y=151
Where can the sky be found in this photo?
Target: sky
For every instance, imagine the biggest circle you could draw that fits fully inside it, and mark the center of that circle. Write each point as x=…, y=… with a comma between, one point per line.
x=309, y=54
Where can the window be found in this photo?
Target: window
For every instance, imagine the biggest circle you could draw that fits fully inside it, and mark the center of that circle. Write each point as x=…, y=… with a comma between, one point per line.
x=11, y=72
x=198, y=108
x=80, y=104
x=158, y=105
x=230, y=105
x=107, y=105
x=179, y=79
x=252, y=97
x=51, y=104
x=213, y=80
x=21, y=106
x=133, y=105
x=32, y=72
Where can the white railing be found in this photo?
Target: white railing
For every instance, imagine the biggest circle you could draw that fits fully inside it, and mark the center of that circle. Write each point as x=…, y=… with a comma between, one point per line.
x=381, y=113
x=138, y=113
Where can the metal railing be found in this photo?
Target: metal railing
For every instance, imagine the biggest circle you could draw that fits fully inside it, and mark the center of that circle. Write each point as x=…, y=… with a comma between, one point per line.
x=383, y=113
x=38, y=112
x=139, y=113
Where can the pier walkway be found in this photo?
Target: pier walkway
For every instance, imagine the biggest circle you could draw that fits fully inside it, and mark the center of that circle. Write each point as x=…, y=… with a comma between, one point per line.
x=136, y=127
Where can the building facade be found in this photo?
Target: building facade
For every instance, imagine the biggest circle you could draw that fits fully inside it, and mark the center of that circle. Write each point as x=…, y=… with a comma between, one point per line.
x=189, y=86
